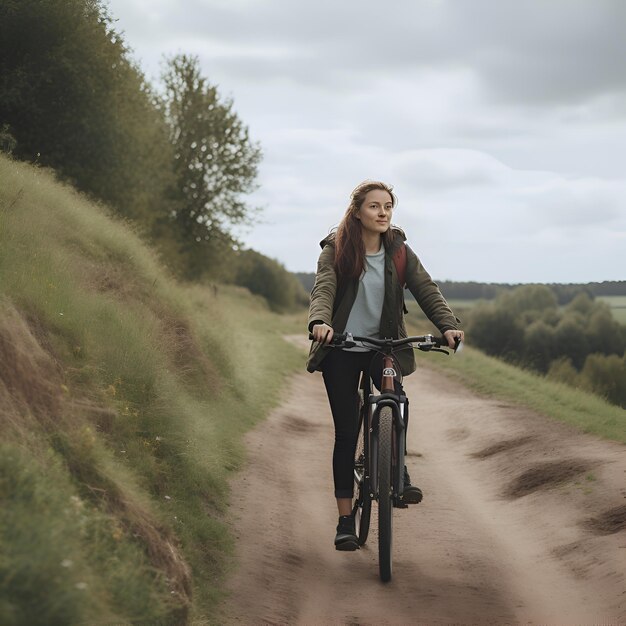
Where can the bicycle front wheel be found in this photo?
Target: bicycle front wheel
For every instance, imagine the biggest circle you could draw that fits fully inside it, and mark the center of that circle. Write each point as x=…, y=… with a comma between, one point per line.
x=385, y=508
x=363, y=504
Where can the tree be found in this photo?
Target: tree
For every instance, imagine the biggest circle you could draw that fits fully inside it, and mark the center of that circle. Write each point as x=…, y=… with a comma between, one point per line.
x=528, y=299
x=606, y=376
x=215, y=163
x=496, y=331
x=582, y=303
x=605, y=334
x=538, y=346
x=71, y=99
x=570, y=339
x=268, y=278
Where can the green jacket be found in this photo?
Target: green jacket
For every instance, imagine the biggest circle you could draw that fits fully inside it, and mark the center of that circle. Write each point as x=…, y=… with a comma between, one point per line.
x=331, y=304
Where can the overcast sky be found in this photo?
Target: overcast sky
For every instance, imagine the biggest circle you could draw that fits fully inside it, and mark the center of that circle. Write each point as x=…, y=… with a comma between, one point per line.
x=501, y=124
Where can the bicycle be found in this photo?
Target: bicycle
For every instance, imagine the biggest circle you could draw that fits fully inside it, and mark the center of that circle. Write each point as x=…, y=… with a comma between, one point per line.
x=379, y=458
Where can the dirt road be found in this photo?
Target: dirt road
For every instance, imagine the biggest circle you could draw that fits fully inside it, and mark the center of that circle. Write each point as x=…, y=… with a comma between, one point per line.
x=523, y=520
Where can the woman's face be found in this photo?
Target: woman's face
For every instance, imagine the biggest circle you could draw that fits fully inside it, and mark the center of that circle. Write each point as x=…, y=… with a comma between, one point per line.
x=375, y=212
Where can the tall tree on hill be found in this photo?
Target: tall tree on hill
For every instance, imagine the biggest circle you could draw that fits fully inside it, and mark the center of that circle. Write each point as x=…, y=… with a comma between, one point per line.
x=215, y=164
x=72, y=99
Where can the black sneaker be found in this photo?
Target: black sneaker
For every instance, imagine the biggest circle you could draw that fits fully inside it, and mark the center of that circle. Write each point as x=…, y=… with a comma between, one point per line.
x=345, y=539
x=411, y=494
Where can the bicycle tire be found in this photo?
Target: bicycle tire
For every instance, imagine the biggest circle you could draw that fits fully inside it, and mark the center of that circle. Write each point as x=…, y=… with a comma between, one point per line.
x=385, y=504
x=362, y=509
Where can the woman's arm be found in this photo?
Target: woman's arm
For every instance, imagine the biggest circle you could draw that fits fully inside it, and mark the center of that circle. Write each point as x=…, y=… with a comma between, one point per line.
x=324, y=289
x=429, y=297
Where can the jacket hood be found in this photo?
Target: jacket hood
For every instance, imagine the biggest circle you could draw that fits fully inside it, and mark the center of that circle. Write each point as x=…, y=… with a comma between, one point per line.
x=329, y=240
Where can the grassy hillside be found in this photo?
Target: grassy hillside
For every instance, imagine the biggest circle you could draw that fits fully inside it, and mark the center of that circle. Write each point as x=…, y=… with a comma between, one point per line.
x=123, y=397
x=490, y=376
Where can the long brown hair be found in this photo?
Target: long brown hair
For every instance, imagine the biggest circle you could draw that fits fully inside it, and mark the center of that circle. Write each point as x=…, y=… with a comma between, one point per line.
x=349, y=247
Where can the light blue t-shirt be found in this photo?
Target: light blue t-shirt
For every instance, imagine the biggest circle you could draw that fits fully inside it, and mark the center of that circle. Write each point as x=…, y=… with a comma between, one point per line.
x=364, y=318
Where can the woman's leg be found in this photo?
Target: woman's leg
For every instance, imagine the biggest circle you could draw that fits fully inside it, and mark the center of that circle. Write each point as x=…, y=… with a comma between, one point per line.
x=341, y=373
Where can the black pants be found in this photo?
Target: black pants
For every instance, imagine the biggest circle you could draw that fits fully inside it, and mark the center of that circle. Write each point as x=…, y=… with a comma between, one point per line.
x=341, y=371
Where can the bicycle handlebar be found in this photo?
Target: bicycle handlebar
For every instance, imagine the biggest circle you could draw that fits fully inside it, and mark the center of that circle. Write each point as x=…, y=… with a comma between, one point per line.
x=423, y=342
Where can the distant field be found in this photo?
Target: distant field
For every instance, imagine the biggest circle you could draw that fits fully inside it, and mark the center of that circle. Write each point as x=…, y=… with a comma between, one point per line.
x=457, y=303
x=618, y=306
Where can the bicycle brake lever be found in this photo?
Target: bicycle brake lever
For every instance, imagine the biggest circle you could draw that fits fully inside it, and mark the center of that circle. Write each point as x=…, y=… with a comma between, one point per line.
x=439, y=350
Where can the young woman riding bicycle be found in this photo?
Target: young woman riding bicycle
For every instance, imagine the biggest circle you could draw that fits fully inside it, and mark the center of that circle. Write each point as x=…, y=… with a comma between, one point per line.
x=357, y=290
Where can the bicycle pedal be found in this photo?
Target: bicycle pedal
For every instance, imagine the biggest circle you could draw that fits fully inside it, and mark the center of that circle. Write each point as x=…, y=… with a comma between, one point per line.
x=400, y=505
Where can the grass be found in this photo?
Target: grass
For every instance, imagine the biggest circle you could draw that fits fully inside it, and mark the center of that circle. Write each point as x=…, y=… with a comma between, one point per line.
x=492, y=377
x=123, y=399
x=618, y=306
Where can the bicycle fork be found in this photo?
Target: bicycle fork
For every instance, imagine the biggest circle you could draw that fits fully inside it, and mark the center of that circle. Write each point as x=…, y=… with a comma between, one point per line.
x=389, y=398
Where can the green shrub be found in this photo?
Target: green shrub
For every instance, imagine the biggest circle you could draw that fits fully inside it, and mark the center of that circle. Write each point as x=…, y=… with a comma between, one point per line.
x=563, y=371
x=268, y=278
x=538, y=346
x=525, y=327
x=496, y=331
x=606, y=376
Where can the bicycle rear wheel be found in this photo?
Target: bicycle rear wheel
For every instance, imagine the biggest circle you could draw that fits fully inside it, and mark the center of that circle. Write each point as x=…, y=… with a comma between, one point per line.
x=362, y=508
x=385, y=508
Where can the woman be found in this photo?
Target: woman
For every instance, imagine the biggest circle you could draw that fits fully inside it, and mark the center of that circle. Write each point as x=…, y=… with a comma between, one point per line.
x=357, y=290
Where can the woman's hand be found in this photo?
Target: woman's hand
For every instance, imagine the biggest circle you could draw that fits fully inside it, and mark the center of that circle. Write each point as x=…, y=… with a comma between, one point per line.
x=322, y=333
x=451, y=335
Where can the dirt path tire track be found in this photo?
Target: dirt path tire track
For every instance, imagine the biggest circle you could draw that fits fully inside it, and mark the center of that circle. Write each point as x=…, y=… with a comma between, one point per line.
x=522, y=522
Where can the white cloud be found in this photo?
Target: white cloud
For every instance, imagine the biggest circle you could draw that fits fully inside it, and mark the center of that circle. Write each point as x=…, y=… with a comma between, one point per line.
x=501, y=124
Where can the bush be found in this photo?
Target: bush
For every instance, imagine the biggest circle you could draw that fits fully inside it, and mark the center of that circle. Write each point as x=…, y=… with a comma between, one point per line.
x=606, y=376
x=496, y=331
x=268, y=278
x=528, y=299
x=606, y=335
x=570, y=339
x=563, y=371
x=582, y=345
x=538, y=346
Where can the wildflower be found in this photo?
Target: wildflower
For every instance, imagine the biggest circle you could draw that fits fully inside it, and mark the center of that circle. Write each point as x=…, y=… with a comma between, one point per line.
x=167, y=498
x=67, y=563
x=77, y=502
x=82, y=586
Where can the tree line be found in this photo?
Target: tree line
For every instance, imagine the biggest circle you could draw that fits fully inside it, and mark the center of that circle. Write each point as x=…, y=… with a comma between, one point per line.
x=564, y=292
x=472, y=290
x=580, y=344
x=177, y=162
